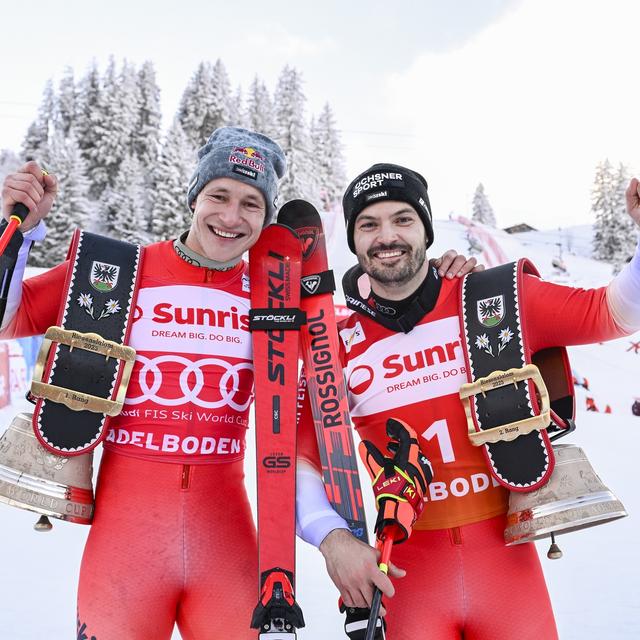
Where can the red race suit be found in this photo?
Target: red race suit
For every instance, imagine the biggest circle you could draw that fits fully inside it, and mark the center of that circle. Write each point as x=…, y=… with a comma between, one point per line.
x=170, y=542
x=462, y=581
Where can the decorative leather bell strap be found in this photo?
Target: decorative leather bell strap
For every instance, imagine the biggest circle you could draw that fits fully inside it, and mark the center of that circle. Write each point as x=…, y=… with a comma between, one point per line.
x=517, y=448
x=83, y=368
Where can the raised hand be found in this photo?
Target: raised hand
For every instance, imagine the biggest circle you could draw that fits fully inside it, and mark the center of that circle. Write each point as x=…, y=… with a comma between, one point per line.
x=34, y=188
x=633, y=199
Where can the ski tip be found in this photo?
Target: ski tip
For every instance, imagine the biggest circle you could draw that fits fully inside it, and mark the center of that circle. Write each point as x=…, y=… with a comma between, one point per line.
x=295, y=209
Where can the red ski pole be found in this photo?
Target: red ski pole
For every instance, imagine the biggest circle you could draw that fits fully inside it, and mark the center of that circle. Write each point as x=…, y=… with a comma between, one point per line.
x=399, y=483
x=387, y=545
x=16, y=218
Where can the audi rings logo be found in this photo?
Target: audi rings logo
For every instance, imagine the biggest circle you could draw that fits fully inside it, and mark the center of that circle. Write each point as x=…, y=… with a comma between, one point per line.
x=390, y=311
x=360, y=379
x=152, y=381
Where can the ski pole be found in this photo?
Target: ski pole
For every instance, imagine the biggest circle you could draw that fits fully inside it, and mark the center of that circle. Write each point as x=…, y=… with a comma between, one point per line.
x=16, y=218
x=387, y=545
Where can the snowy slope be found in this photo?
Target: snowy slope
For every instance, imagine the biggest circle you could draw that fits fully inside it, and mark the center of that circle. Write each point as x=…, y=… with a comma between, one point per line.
x=594, y=587
x=577, y=240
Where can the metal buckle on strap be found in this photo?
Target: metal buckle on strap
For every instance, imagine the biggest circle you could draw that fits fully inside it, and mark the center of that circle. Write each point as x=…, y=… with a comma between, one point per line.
x=77, y=400
x=511, y=430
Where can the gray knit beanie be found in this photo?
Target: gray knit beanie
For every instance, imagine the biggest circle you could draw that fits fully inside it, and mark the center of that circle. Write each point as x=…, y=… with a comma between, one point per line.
x=232, y=152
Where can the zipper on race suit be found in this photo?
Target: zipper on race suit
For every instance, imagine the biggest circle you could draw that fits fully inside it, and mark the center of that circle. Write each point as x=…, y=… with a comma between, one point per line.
x=186, y=476
x=456, y=535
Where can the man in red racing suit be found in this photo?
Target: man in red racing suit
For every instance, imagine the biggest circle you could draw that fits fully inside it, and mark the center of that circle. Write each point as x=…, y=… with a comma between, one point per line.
x=173, y=540
x=170, y=497
x=403, y=358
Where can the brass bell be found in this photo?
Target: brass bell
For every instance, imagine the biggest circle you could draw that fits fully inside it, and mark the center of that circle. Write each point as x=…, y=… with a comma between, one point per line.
x=32, y=478
x=573, y=498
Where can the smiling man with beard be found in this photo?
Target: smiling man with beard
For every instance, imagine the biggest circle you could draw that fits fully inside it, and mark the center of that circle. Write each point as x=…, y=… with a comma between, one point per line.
x=403, y=357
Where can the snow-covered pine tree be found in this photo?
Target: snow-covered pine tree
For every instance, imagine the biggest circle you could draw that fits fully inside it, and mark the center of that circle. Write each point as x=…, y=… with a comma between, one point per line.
x=72, y=208
x=176, y=162
x=118, y=118
x=218, y=111
x=65, y=107
x=293, y=136
x=36, y=142
x=146, y=134
x=601, y=208
x=129, y=99
x=482, y=210
x=194, y=104
x=329, y=159
x=88, y=111
x=9, y=163
x=236, y=112
x=614, y=233
x=259, y=109
x=624, y=231
x=122, y=211
x=205, y=103
x=107, y=152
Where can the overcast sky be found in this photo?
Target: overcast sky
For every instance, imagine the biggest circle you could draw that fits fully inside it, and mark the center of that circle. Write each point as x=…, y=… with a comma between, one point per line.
x=525, y=96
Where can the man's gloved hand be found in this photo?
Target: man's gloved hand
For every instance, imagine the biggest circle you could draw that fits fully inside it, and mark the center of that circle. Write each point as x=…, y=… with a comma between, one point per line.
x=399, y=482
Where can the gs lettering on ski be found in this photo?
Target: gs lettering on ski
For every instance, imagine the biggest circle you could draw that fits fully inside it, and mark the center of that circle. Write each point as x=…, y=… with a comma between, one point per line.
x=276, y=462
x=165, y=312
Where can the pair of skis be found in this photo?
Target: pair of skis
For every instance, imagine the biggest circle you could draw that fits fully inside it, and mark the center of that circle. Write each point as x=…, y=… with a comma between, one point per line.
x=292, y=313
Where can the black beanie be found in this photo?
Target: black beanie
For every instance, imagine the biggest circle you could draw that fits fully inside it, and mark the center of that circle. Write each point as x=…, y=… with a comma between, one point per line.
x=386, y=182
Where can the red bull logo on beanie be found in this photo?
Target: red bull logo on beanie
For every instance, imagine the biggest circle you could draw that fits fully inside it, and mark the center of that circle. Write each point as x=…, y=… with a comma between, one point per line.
x=375, y=180
x=249, y=157
x=250, y=152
